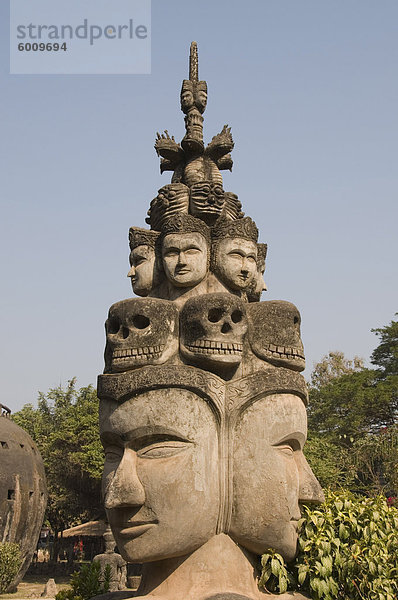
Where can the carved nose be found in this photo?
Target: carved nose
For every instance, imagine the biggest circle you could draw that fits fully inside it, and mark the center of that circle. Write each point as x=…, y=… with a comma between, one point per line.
x=131, y=273
x=226, y=328
x=310, y=491
x=125, y=489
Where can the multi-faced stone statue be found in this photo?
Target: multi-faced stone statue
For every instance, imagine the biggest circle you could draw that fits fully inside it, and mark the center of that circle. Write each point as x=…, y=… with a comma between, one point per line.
x=144, y=266
x=202, y=411
x=234, y=253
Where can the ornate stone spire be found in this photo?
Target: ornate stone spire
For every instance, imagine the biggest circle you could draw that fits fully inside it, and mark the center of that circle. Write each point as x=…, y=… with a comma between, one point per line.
x=193, y=62
x=190, y=161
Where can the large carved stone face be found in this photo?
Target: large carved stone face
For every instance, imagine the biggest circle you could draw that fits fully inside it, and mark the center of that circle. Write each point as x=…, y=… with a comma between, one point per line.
x=271, y=477
x=274, y=333
x=160, y=482
x=185, y=258
x=142, y=271
x=235, y=260
x=139, y=332
x=213, y=328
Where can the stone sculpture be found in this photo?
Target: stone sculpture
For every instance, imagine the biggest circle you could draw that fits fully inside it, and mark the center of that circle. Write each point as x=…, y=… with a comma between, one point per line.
x=118, y=567
x=23, y=492
x=202, y=410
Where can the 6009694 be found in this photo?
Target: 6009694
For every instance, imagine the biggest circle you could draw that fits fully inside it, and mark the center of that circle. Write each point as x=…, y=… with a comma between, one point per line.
x=42, y=47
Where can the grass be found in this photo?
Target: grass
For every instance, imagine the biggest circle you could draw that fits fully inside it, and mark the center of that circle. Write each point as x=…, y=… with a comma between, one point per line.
x=33, y=586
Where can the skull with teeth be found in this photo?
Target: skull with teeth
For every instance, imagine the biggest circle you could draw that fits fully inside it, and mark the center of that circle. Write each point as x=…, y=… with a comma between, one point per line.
x=213, y=328
x=274, y=333
x=139, y=332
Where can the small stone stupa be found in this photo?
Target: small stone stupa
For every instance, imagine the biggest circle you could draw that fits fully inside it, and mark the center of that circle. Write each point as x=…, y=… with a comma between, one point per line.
x=202, y=404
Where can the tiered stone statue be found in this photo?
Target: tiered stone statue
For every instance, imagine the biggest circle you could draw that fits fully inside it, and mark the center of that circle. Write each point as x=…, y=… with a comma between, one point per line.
x=202, y=412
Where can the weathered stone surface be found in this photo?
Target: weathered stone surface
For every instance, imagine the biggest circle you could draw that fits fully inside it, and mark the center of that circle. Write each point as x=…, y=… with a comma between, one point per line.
x=50, y=589
x=145, y=270
x=23, y=493
x=274, y=333
x=202, y=406
x=140, y=331
x=213, y=329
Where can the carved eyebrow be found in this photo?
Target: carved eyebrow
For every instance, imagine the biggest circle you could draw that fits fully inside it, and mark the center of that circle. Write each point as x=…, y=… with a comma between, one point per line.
x=237, y=251
x=296, y=438
x=140, y=257
x=192, y=247
x=143, y=435
x=171, y=249
x=109, y=438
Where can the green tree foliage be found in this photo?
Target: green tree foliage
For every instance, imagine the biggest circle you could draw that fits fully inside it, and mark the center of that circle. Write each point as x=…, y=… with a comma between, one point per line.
x=385, y=356
x=10, y=563
x=353, y=420
x=65, y=428
x=332, y=463
x=334, y=365
x=87, y=583
x=348, y=550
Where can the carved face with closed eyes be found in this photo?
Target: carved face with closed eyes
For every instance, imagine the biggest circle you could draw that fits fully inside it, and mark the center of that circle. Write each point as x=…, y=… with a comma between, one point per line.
x=160, y=484
x=271, y=475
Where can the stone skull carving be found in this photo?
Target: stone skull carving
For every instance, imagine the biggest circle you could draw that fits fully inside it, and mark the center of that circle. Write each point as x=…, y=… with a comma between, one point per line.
x=139, y=332
x=274, y=333
x=213, y=328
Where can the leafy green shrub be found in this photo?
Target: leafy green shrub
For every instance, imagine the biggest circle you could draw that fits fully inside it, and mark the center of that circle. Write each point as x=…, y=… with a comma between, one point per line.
x=10, y=562
x=348, y=549
x=86, y=583
x=275, y=577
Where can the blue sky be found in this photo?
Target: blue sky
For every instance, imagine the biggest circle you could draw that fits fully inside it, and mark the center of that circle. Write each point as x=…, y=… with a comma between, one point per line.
x=310, y=90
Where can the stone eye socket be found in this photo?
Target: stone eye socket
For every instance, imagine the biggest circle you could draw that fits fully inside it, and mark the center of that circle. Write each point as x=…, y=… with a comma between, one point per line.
x=215, y=314
x=236, y=316
x=113, y=325
x=141, y=322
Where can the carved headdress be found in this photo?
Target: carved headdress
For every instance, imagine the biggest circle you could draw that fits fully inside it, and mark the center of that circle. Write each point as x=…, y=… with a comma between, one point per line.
x=142, y=237
x=242, y=228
